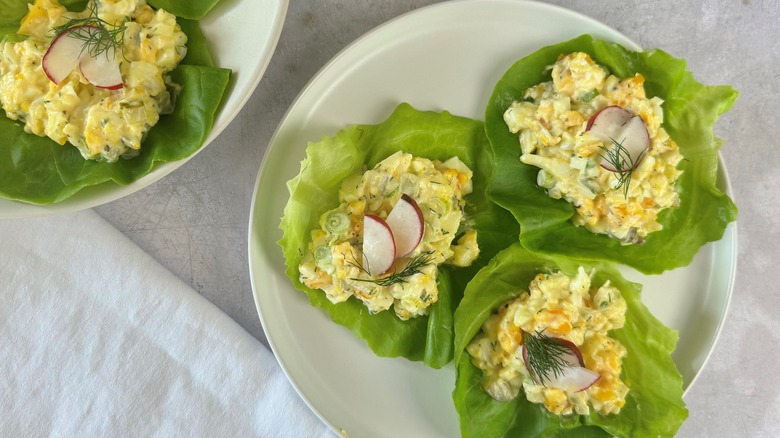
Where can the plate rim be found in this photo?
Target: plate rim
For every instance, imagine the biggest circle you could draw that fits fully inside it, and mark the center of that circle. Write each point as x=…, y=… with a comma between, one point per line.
x=725, y=180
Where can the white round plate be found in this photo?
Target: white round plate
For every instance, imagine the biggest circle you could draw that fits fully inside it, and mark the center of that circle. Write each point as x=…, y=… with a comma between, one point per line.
x=447, y=56
x=227, y=28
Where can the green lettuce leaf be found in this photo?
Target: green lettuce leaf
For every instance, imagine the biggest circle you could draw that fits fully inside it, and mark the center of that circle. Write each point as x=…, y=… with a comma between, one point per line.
x=654, y=405
x=315, y=190
x=690, y=111
x=37, y=170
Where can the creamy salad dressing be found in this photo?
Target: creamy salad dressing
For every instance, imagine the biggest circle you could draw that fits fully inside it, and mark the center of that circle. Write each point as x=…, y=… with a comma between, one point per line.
x=103, y=124
x=332, y=260
x=552, y=129
x=561, y=307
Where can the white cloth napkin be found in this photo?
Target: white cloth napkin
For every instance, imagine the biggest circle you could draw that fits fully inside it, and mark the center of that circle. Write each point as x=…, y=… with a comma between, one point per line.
x=98, y=339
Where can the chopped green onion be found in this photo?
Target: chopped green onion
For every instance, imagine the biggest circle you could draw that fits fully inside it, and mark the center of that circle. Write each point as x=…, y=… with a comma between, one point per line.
x=337, y=222
x=323, y=255
x=545, y=179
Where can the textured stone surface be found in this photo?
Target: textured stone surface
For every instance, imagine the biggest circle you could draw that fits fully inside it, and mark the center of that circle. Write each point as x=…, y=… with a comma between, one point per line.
x=195, y=221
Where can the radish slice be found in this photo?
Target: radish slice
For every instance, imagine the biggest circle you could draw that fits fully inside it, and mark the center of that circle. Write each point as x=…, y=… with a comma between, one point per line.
x=574, y=358
x=378, y=245
x=407, y=224
x=572, y=378
x=67, y=51
x=615, y=124
x=62, y=57
x=606, y=121
x=102, y=70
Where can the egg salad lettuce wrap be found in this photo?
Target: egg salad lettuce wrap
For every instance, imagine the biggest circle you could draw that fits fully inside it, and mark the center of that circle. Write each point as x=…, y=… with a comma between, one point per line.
x=654, y=405
x=37, y=170
x=432, y=135
x=690, y=110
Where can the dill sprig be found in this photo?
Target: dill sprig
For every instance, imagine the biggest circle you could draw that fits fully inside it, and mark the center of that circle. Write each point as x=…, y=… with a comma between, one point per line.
x=545, y=356
x=620, y=159
x=99, y=35
x=413, y=267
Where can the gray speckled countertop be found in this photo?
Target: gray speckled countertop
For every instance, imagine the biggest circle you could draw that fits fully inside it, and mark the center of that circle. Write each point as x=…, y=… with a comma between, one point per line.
x=194, y=221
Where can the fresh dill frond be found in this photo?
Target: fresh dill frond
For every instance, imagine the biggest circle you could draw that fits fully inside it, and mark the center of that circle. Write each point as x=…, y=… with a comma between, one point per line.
x=620, y=159
x=413, y=267
x=354, y=262
x=545, y=356
x=99, y=36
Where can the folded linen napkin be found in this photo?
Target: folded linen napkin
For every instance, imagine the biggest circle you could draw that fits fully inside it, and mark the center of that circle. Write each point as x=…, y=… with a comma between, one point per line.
x=98, y=339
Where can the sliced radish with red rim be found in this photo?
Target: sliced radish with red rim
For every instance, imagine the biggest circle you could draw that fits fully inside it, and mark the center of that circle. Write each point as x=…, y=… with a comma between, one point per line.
x=378, y=245
x=572, y=378
x=407, y=224
x=624, y=134
x=102, y=70
x=62, y=57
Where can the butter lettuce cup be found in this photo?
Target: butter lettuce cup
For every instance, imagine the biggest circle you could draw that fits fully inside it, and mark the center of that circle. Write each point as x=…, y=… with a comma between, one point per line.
x=387, y=223
x=604, y=153
x=551, y=346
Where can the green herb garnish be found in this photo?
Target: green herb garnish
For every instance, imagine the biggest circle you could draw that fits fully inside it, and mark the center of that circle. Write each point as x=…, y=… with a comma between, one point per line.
x=620, y=159
x=99, y=36
x=413, y=267
x=545, y=356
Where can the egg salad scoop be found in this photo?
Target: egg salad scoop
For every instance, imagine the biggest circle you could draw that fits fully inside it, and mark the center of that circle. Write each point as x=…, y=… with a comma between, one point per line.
x=115, y=79
x=397, y=265
x=551, y=346
x=553, y=342
x=599, y=144
x=605, y=153
x=387, y=223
